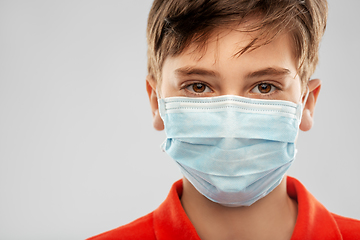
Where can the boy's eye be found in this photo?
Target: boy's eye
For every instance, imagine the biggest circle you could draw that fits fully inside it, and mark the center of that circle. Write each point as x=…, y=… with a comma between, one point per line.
x=263, y=88
x=198, y=88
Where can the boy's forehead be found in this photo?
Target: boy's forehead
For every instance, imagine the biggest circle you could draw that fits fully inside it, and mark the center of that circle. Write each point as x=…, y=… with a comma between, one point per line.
x=234, y=41
x=220, y=56
x=245, y=37
x=218, y=39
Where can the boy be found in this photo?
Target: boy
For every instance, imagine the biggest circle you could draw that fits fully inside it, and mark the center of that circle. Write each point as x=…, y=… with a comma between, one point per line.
x=228, y=80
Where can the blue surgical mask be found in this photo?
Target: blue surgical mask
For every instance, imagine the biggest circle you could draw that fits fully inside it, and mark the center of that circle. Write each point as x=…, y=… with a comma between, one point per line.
x=233, y=150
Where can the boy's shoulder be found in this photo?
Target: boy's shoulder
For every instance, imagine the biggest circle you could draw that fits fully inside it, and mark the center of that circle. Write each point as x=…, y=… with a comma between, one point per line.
x=349, y=227
x=141, y=228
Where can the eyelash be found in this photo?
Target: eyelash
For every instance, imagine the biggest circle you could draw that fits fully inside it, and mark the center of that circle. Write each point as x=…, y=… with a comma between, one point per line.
x=185, y=86
x=266, y=94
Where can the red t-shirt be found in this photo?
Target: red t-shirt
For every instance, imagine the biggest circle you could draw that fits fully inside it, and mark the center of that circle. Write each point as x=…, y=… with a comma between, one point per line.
x=169, y=221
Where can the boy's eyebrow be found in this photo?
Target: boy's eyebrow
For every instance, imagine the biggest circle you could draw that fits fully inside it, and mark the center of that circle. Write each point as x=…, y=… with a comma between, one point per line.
x=269, y=71
x=186, y=71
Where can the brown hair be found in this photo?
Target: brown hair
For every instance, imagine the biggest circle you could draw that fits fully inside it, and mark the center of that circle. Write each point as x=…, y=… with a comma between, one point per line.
x=175, y=24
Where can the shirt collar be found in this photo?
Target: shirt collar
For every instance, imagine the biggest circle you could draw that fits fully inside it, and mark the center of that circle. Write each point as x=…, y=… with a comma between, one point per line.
x=314, y=221
x=170, y=219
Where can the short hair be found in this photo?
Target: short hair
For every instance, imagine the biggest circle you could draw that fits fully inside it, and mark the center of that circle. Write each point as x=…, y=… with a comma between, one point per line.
x=174, y=25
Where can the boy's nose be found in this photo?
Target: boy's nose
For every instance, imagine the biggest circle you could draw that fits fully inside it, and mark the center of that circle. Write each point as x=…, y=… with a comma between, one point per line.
x=233, y=90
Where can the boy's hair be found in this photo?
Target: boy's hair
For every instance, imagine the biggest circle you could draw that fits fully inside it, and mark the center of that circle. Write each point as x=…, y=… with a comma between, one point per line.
x=174, y=25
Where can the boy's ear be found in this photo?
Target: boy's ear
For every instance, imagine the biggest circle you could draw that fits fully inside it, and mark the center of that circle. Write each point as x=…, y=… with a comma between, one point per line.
x=151, y=90
x=307, y=119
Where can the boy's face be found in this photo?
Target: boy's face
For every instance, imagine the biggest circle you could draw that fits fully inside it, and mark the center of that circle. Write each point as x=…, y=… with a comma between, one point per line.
x=268, y=72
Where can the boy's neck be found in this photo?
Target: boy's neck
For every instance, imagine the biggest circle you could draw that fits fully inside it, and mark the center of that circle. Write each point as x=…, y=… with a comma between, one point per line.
x=272, y=217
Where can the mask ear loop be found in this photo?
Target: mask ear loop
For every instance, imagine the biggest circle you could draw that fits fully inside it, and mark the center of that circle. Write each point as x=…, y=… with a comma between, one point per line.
x=306, y=98
x=158, y=94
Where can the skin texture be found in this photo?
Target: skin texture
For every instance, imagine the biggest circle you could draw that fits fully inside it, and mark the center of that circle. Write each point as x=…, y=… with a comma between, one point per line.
x=268, y=72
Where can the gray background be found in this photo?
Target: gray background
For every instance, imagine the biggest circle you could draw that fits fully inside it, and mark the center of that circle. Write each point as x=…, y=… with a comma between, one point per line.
x=78, y=154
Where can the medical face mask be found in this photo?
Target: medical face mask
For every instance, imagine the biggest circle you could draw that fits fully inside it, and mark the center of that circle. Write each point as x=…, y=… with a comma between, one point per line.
x=234, y=150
